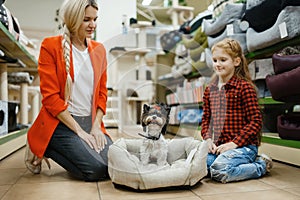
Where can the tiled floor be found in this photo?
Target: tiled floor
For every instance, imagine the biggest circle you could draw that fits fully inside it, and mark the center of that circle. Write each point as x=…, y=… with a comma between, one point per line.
x=16, y=183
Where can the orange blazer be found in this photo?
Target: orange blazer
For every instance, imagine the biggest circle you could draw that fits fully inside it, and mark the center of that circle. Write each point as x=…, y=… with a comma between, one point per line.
x=52, y=72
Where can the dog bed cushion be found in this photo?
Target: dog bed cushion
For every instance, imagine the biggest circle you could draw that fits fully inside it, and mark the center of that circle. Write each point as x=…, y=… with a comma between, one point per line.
x=285, y=85
x=186, y=164
x=288, y=126
x=283, y=63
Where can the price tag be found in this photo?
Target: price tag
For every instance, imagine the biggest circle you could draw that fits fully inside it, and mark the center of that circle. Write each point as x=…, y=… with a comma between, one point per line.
x=202, y=57
x=229, y=29
x=283, y=30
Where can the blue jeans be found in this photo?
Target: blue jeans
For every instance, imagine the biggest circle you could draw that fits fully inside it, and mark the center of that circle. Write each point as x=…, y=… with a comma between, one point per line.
x=236, y=165
x=68, y=150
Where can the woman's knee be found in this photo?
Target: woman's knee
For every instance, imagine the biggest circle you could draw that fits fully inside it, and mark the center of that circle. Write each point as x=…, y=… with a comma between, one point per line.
x=96, y=173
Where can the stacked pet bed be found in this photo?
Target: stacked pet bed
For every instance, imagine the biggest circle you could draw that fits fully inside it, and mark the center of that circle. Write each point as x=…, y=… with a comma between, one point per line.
x=288, y=126
x=284, y=86
x=286, y=27
x=186, y=164
x=227, y=24
x=196, y=52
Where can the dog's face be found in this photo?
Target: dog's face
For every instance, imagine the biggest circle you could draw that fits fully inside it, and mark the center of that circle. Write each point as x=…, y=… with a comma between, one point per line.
x=156, y=116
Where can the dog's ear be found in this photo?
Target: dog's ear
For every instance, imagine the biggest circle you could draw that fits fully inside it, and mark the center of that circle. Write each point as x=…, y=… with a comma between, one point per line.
x=146, y=108
x=164, y=129
x=166, y=107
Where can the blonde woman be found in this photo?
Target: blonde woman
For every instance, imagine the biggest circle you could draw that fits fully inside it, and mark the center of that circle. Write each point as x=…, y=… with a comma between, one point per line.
x=72, y=70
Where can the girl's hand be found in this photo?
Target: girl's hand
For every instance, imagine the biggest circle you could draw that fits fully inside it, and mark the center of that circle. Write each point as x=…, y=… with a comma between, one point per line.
x=211, y=146
x=225, y=147
x=99, y=137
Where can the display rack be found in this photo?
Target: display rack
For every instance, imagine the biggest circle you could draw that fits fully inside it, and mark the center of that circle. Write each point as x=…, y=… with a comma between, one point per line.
x=279, y=149
x=10, y=142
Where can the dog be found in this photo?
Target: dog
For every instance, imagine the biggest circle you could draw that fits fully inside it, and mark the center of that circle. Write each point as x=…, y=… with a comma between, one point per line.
x=154, y=148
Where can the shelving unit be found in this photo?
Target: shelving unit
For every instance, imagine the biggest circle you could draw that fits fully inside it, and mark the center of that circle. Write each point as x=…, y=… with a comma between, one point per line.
x=25, y=62
x=111, y=119
x=279, y=149
x=129, y=69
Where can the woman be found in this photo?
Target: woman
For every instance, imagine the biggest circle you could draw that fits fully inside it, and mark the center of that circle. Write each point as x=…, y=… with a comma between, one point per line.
x=72, y=69
x=232, y=120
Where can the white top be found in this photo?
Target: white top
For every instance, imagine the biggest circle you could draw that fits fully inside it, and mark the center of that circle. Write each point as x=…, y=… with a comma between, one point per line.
x=80, y=103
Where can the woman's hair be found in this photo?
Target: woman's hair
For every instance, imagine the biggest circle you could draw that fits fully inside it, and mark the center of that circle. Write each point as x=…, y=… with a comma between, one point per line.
x=234, y=49
x=73, y=12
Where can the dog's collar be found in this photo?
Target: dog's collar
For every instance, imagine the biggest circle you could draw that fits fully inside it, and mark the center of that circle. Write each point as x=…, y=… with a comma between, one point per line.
x=150, y=137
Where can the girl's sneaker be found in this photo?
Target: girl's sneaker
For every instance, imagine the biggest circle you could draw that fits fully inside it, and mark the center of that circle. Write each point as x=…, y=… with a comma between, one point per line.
x=269, y=162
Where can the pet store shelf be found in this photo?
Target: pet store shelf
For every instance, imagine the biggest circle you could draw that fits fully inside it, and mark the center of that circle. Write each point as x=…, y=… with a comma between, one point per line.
x=129, y=51
x=185, y=130
x=280, y=149
x=111, y=118
x=12, y=142
x=136, y=99
x=273, y=138
x=268, y=100
x=12, y=48
x=269, y=51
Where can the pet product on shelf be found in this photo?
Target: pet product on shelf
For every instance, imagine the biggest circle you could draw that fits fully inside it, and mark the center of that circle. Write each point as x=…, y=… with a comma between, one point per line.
x=288, y=125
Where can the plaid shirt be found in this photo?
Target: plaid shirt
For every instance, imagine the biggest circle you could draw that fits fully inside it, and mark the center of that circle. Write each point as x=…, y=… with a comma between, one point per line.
x=231, y=114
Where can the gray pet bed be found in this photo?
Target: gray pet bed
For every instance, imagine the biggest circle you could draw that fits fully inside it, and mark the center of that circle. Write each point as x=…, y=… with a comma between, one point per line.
x=186, y=158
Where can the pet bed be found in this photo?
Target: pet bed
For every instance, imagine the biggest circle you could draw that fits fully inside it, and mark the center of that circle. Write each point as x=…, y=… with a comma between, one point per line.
x=284, y=63
x=285, y=86
x=186, y=164
x=288, y=126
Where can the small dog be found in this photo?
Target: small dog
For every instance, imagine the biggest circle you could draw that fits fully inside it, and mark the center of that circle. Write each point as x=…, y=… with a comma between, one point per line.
x=154, y=120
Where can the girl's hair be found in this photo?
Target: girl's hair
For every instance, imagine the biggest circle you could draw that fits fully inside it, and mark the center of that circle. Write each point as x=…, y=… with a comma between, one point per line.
x=73, y=12
x=233, y=48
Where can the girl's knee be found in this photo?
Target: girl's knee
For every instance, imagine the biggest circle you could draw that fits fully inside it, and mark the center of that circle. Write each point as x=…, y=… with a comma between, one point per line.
x=219, y=171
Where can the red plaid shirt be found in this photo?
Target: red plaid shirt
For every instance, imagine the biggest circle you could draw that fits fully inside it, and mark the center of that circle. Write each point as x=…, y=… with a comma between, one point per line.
x=231, y=114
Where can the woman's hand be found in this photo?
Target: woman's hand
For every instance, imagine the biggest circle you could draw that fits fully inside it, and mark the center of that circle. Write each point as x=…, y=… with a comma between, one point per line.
x=89, y=139
x=225, y=147
x=211, y=146
x=99, y=137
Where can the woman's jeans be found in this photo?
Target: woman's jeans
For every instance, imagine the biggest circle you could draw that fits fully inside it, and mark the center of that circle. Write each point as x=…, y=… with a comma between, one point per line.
x=236, y=165
x=72, y=153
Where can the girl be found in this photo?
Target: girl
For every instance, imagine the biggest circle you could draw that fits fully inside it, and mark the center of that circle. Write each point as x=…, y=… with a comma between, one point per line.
x=232, y=120
x=72, y=70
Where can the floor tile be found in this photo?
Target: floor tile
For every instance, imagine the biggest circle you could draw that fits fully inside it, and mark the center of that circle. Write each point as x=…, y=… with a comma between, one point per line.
x=274, y=194
x=295, y=191
x=108, y=192
x=10, y=176
x=53, y=191
x=16, y=160
x=209, y=187
x=283, y=176
x=17, y=183
x=53, y=175
x=4, y=189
